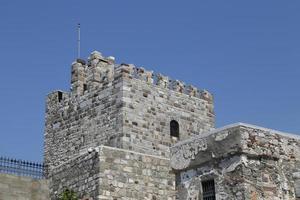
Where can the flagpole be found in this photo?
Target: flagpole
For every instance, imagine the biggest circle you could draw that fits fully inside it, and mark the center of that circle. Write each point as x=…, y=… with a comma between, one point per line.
x=78, y=41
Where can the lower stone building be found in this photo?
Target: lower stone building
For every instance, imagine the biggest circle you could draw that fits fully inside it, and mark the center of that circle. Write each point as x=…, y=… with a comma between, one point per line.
x=239, y=161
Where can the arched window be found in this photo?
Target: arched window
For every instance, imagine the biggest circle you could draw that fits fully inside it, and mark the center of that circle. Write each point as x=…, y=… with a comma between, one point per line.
x=174, y=129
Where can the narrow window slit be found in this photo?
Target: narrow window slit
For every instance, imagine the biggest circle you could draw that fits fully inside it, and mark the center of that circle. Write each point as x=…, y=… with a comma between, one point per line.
x=60, y=96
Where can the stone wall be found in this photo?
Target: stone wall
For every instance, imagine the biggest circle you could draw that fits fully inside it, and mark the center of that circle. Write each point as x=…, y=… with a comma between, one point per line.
x=88, y=115
x=136, y=176
x=22, y=188
x=111, y=173
x=75, y=123
x=272, y=162
x=148, y=110
x=121, y=106
x=245, y=161
x=80, y=174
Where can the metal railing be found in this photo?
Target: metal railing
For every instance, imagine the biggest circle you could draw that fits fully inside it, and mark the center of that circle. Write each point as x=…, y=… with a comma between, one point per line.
x=22, y=168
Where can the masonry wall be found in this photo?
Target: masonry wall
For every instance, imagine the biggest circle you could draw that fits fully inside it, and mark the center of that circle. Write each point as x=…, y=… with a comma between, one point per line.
x=22, y=188
x=130, y=175
x=273, y=163
x=246, y=162
x=149, y=109
x=112, y=173
x=228, y=178
x=121, y=106
x=76, y=122
x=80, y=174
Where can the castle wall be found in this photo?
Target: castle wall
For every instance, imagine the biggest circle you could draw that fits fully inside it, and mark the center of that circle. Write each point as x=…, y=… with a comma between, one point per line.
x=112, y=173
x=80, y=174
x=131, y=175
x=75, y=123
x=121, y=106
x=16, y=188
x=245, y=162
x=127, y=111
x=149, y=109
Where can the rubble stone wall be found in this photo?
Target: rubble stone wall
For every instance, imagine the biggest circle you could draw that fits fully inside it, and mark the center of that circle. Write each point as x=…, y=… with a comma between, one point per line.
x=255, y=163
x=16, y=188
x=273, y=160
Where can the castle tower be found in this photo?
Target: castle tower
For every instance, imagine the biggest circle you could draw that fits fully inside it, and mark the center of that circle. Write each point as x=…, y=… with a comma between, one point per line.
x=119, y=108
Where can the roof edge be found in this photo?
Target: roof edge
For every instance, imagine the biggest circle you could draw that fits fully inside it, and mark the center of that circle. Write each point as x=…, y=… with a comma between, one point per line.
x=238, y=124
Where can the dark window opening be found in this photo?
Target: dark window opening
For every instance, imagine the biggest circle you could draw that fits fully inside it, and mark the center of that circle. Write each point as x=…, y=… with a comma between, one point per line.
x=60, y=95
x=84, y=87
x=174, y=129
x=208, y=190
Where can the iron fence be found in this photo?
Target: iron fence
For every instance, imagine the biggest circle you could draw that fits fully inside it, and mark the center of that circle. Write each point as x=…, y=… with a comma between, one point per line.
x=22, y=168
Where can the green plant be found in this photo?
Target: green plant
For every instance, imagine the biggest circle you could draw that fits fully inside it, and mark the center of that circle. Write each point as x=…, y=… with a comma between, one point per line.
x=68, y=194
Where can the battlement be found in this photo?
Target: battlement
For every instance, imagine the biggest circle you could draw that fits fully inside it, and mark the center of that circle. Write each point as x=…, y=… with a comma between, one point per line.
x=100, y=71
x=162, y=81
x=123, y=106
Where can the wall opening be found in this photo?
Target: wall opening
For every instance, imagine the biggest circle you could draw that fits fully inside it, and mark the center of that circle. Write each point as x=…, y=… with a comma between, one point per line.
x=84, y=87
x=60, y=95
x=208, y=190
x=174, y=129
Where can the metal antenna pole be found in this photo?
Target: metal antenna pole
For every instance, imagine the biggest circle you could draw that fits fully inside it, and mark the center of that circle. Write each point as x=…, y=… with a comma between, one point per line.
x=78, y=41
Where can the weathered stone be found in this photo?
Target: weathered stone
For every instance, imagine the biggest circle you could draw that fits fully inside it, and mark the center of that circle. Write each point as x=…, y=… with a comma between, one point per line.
x=110, y=138
x=14, y=187
x=245, y=161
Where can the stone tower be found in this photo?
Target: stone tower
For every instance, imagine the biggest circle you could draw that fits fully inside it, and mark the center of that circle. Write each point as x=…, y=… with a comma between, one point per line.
x=118, y=108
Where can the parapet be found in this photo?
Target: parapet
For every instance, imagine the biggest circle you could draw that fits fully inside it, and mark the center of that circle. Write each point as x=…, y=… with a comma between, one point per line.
x=131, y=71
x=100, y=71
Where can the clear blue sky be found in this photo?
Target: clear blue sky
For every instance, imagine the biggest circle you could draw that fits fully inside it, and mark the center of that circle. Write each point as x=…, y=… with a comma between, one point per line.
x=247, y=53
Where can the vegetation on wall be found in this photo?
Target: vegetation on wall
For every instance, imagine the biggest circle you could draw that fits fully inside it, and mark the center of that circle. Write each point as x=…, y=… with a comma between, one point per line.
x=68, y=194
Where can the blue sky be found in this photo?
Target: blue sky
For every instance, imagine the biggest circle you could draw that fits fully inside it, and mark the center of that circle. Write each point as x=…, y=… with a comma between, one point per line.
x=247, y=53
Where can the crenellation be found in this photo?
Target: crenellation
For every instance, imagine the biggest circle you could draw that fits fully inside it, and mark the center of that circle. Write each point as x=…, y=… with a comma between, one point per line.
x=178, y=86
x=125, y=70
x=124, y=132
x=140, y=73
x=205, y=95
x=192, y=90
x=101, y=71
x=120, y=106
x=162, y=81
x=144, y=75
x=57, y=98
x=78, y=79
x=105, y=96
x=112, y=136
